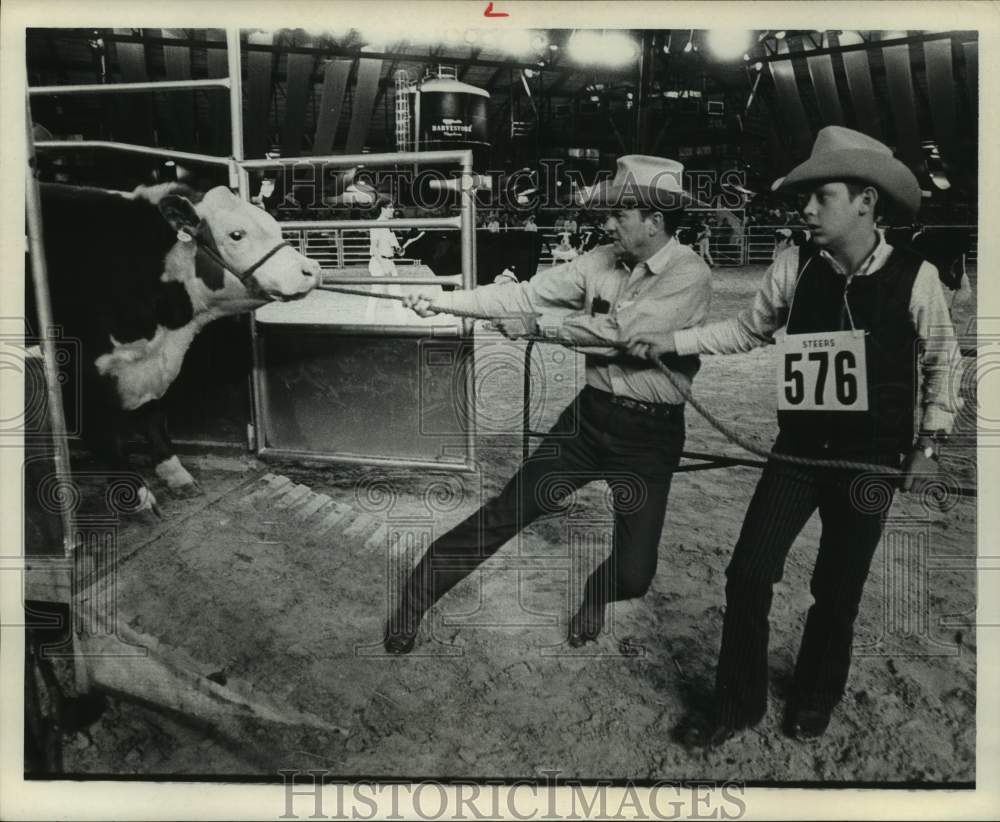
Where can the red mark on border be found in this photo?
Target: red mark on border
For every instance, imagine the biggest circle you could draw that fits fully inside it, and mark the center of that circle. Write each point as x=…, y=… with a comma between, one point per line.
x=490, y=13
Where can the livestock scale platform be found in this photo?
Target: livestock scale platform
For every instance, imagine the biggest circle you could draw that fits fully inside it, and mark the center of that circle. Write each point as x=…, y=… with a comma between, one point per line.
x=257, y=610
x=255, y=613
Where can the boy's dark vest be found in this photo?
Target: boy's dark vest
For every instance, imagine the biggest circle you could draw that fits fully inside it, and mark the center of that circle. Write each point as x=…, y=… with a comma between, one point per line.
x=880, y=304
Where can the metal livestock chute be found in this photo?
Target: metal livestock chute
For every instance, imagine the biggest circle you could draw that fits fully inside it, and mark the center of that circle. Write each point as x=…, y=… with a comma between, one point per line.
x=86, y=601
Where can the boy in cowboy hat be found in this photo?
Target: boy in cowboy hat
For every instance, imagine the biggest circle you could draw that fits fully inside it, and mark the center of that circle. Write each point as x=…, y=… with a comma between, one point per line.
x=625, y=427
x=856, y=312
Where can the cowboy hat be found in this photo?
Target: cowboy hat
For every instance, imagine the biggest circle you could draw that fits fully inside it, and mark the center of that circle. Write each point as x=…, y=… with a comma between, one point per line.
x=640, y=181
x=842, y=154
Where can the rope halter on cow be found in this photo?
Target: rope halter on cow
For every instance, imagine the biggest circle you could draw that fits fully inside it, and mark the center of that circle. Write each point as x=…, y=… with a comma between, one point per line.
x=206, y=244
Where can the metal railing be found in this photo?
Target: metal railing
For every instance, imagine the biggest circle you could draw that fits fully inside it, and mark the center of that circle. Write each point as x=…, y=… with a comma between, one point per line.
x=348, y=247
x=347, y=244
x=760, y=242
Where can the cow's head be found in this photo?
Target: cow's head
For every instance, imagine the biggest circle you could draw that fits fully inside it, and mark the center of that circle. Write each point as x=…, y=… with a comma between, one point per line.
x=236, y=237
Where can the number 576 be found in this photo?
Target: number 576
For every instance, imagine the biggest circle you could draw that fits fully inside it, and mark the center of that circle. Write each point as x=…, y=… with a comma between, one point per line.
x=845, y=382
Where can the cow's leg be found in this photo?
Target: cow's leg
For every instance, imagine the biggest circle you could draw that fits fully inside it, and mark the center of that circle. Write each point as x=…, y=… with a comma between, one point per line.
x=153, y=419
x=127, y=493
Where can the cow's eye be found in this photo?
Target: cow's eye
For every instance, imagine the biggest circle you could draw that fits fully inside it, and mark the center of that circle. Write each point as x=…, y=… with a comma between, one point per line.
x=237, y=235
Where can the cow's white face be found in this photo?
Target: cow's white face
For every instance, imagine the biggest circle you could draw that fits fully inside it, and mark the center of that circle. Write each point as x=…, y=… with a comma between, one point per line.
x=241, y=235
x=244, y=234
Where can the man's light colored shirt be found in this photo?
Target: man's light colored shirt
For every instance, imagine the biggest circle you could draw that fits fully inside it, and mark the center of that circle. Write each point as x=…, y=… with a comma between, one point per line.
x=756, y=326
x=383, y=242
x=671, y=290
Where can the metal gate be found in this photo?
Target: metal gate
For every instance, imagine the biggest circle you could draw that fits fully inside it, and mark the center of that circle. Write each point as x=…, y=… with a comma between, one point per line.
x=333, y=431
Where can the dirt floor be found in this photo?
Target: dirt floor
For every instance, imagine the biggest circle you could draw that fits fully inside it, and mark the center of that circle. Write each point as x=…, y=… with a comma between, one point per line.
x=281, y=594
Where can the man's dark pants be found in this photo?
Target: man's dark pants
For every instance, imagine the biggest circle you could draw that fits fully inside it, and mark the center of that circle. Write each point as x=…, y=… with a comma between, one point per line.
x=852, y=509
x=594, y=438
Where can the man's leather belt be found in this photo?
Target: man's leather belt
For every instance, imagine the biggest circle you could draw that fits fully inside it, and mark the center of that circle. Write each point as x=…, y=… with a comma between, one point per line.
x=662, y=410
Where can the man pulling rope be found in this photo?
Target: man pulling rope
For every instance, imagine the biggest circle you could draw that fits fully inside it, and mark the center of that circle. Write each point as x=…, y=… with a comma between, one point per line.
x=627, y=425
x=859, y=317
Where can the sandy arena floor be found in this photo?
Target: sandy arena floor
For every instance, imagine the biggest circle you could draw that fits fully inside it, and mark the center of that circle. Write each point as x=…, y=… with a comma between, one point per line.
x=251, y=588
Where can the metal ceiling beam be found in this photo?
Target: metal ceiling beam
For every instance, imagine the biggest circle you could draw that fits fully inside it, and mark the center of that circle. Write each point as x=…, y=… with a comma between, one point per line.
x=331, y=50
x=384, y=84
x=473, y=55
x=961, y=37
x=560, y=82
x=504, y=67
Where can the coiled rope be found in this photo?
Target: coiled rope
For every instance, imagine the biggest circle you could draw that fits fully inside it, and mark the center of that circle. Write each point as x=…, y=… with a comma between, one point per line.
x=710, y=418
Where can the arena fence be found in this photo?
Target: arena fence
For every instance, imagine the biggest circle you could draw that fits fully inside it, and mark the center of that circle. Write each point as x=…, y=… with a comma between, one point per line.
x=335, y=249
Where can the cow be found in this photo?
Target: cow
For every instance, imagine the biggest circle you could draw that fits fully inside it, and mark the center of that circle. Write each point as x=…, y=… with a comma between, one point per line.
x=441, y=252
x=133, y=277
x=591, y=237
x=945, y=247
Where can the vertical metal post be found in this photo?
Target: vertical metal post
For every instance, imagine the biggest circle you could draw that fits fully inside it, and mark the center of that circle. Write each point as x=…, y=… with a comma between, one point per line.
x=416, y=125
x=40, y=278
x=236, y=108
x=255, y=436
x=468, y=206
x=638, y=123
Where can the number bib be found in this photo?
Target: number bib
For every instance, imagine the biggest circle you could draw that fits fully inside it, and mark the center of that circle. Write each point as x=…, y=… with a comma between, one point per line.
x=822, y=372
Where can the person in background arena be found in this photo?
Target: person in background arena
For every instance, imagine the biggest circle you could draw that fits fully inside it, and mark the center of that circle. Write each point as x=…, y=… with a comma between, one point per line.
x=704, y=243
x=626, y=426
x=384, y=245
x=857, y=311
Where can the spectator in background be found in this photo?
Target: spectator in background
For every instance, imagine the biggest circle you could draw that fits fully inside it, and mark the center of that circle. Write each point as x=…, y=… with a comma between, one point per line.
x=530, y=224
x=571, y=225
x=782, y=240
x=493, y=226
x=564, y=252
x=384, y=246
x=266, y=193
x=704, y=243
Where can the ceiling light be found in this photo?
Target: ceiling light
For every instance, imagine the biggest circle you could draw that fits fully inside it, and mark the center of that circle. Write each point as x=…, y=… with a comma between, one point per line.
x=609, y=48
x=515, y=41
x=728, y=44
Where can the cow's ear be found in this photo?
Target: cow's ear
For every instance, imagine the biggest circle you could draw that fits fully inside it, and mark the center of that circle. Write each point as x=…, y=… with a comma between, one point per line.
x=180, y=213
